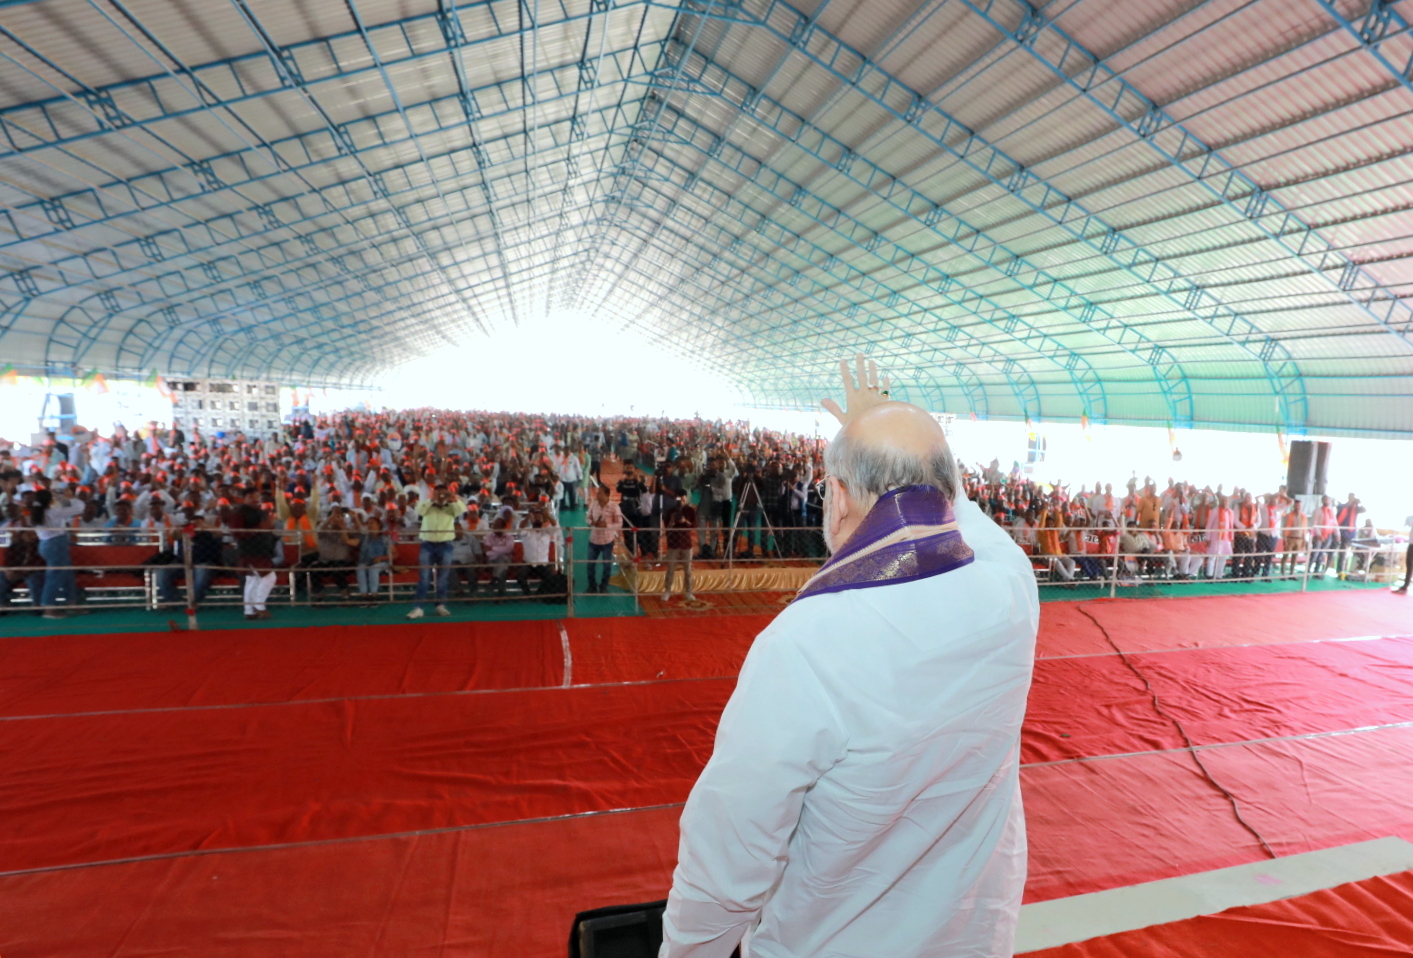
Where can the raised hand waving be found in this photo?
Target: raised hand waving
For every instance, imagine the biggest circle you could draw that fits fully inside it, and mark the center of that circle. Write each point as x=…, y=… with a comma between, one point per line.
x=865, y=393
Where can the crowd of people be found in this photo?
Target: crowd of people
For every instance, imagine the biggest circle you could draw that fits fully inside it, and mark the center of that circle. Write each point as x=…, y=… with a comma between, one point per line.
x=485, y=496
x=1177, y=531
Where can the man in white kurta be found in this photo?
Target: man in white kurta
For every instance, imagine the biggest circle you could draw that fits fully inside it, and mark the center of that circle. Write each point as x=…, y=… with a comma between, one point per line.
x=863, y=798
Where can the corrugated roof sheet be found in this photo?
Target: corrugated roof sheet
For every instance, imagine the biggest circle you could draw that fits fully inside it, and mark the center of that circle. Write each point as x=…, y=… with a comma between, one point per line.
x=995, y=200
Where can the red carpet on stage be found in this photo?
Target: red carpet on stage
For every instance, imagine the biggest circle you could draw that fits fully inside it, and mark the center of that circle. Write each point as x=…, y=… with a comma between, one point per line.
x=631, y=650
x=171, y=781
x=1096, y=705
x=507, y=890
x=51, y=675
x=1147, y=625
x=404, y=791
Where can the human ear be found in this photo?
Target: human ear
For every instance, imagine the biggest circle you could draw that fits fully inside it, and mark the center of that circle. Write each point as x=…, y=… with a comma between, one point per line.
x=839, y=506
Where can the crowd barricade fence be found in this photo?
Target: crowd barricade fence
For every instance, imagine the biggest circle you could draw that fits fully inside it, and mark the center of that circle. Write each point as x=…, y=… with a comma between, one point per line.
x=748, y=556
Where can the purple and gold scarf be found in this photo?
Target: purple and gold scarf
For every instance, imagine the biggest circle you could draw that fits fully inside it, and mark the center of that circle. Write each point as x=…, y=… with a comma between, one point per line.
x=910, y=533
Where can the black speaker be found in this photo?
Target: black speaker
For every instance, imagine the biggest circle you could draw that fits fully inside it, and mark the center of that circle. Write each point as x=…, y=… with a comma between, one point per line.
x=1322, y=467
x=1300, y=474
x=620, y=931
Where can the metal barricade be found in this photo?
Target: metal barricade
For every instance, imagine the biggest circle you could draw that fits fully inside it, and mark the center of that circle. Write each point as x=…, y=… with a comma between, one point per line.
x=756, y=561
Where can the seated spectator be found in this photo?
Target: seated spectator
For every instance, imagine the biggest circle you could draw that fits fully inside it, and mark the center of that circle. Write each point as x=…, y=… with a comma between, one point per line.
x=468, y=554
x=91, y=521
x=1023, y=530
x=1160, y=561
x=537, y=534
x=1077, y=545
x=158, y=523
x=374, y=558
x=124, y=529
x=23, y=564
x=1175, y=544
x=500, y=553
x=337, y=542
x=205, y=558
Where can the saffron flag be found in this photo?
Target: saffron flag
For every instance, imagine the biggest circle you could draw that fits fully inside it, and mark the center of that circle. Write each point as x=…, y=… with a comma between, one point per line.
x=94, y=381
x=8, y=376
x=162, y=388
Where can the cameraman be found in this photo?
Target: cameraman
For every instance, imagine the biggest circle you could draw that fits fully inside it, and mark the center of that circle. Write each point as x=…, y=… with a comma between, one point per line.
x=439, y=513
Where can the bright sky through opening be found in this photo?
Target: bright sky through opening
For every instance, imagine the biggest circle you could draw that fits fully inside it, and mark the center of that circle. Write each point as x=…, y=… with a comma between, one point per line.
x=566, y=363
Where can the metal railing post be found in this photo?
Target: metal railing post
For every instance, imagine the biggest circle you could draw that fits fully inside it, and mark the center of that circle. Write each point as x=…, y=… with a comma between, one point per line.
x=190, y=566
x=569, y=573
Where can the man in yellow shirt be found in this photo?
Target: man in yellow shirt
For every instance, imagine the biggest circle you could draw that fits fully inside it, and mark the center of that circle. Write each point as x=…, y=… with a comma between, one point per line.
x=439, y=513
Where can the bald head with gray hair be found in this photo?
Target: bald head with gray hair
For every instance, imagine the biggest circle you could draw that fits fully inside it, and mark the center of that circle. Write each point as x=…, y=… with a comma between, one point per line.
x=870, y=469
x=890, y=446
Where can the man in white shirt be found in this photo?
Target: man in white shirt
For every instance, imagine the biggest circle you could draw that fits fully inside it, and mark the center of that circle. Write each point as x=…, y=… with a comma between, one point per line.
x=863, y=797
x=570, y=471
x=537, y=534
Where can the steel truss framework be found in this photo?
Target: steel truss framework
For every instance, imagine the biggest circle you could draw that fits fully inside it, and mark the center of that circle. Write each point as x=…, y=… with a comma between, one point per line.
x=1090, y=209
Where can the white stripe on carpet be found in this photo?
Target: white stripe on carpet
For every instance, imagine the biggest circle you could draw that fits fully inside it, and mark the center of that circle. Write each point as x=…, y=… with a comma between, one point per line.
x=1049, y=924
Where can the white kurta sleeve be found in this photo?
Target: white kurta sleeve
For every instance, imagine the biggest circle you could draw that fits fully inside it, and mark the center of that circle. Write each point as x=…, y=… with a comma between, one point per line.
x=778, y=735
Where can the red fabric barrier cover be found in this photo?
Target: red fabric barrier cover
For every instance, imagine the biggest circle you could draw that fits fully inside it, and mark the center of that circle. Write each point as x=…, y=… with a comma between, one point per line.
x=101, y=556
x=1096, y=706
x=1212, y=621
x=1227, y=695
x=640, y=649
x=505, y=890
x=1366, y=919
x=1109, y=822
x=59, y=674
x=1064, y=630
x=1141, y=625
x=101, y=787
x=108, y=557
x=1319, y=792
x=104, y=787
x=1092, y=706
x=1119, y=821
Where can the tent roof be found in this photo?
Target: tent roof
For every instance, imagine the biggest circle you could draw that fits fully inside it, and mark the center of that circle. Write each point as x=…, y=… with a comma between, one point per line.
x=1185, y=211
